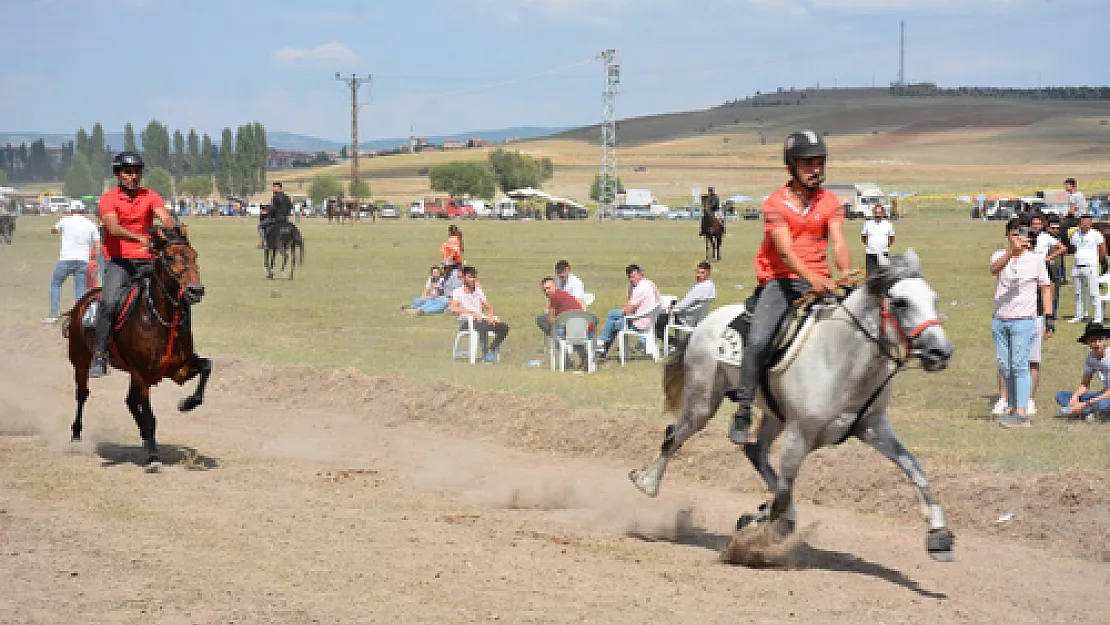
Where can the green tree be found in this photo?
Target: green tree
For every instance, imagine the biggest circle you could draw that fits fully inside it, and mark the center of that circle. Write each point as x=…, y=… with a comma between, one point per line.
x=261, y=155
x=39, y=165
x=158, y=179
x=79, y=180
x=129, y=138
x=156, y=145
x=3, y=176
x=225, y=162
x=362, y=191
x=209, y=157
x=192, y=160
x=595, y=189
x=99, y=158
x=343, y=152
x=196, y=186
x=514, y=170
x=177, y=164
x=323, y=187
x=460, y=178
x=83, y=143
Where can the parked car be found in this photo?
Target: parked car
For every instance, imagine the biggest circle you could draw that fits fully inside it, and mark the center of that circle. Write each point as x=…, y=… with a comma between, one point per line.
x=751, y=213
x=390, y=211
x=416, y=210
x=679, y=213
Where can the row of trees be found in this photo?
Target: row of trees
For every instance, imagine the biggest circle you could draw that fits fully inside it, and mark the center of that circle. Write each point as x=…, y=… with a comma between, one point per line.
x=188, y=164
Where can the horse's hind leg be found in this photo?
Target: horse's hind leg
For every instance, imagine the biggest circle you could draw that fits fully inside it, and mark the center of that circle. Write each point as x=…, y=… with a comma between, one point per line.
x=81, y=378
x=940, y=540
x=138, y=402
x=204, y=366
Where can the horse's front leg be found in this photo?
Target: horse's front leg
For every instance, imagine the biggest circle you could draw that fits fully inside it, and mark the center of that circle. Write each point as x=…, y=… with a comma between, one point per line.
x=138, y=402
x=940, y=540
x=699, y=403
x=794, y=450
x=204, y=367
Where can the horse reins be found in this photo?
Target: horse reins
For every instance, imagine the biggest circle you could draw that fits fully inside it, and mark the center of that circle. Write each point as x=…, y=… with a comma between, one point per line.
x=179, y=310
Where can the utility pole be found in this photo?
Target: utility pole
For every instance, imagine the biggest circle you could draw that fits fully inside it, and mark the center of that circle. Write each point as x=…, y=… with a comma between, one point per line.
x=607, y=187
x=902, y=53
x=354, y=82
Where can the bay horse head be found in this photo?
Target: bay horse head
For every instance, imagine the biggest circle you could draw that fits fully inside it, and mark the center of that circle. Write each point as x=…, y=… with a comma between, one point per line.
x=176, y=264
x=909, y=307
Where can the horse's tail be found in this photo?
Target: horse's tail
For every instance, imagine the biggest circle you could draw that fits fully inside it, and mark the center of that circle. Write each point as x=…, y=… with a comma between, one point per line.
x=674, y=377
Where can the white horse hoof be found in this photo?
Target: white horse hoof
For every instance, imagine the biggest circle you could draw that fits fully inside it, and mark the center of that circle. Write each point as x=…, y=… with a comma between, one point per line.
x=154, y=466
x=940, y=543
x=642, y=480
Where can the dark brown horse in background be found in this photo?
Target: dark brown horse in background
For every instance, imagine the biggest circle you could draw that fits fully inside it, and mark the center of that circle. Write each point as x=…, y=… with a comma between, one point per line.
x=152, y=338
x=339, y=211
x=713, y=229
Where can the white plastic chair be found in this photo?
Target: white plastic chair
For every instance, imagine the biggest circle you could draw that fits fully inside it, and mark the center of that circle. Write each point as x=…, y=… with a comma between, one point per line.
x=572, y=329
x=468, y=338
x=1102, y=291
x=587, y=299
x=691, y=318
x=648, y=335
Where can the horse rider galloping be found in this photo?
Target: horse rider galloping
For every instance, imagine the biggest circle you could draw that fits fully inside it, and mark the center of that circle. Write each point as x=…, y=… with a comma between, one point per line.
x=127, y=213
x=800, y=220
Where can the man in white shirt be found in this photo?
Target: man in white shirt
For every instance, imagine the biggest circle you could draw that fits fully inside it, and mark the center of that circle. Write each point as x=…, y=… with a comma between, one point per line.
x=642, y=297
x=1077, y=204
x=1090, y=248
x=80, y=240
x=877, y=236
x=470, y=300
x=568, y=281
x=703, y=292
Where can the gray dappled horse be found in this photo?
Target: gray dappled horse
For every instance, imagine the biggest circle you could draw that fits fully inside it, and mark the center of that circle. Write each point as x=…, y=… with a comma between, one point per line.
x=835, y=386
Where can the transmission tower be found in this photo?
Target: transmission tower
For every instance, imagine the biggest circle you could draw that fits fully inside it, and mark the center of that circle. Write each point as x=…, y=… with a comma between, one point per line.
x=607, y=189
x=354, y=82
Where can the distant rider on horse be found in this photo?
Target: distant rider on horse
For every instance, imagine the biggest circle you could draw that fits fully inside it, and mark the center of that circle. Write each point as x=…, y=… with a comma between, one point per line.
x=127, y=213
x=800, y=220
x=711, y=207
x=281, y=207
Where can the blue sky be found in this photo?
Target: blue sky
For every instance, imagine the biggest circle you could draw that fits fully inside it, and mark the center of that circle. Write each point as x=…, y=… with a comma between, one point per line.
x=449, y=66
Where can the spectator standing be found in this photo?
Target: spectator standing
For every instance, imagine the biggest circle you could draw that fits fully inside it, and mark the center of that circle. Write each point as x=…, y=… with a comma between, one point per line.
x=470, y=300
x=642, y=297
x=703, y=291
x=1082, y=403
x=452, y=249
x=1055, y=262
x=1090, y=249
x=80, y=242
x=877, y=237
x=1019, y=274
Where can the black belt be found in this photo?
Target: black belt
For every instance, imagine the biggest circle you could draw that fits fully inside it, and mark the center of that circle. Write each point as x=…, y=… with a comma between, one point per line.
x=1082, y=266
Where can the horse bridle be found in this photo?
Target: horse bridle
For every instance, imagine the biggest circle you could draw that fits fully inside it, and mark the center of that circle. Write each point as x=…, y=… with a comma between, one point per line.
x=175, y=300
x=890, y=318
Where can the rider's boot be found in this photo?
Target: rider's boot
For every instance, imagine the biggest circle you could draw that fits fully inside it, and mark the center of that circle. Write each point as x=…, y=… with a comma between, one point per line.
x=99, y=367
x=739, y=429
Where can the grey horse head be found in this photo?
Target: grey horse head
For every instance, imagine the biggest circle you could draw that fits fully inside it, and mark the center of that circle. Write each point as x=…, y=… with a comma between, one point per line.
x=892, y=269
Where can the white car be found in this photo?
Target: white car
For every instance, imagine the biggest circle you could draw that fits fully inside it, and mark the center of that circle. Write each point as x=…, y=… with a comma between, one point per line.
x=389, y=211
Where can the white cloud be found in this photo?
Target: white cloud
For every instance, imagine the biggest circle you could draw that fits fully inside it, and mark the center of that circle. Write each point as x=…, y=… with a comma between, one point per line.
x=333, y=52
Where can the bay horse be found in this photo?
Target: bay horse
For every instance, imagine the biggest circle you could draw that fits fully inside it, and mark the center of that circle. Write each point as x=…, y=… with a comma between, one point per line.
x=284, y=237
x=152, y=337
x=713, y=229
x=832, y=384
x=339, y=212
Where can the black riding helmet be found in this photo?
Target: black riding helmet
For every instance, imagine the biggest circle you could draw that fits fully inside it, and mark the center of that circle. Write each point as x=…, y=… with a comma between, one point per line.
x=128, y=159
x=803, y=144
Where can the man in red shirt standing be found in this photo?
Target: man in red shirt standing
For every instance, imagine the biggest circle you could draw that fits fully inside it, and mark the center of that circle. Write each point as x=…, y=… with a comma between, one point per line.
x=127, y=213
x=800, y=221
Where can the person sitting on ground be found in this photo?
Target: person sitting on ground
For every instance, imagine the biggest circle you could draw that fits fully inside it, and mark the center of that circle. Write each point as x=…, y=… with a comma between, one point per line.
x=432, y=300
x=642, y=297
x=1081, y=403
x=452, y=249
x=470, y=300
x=703, y=291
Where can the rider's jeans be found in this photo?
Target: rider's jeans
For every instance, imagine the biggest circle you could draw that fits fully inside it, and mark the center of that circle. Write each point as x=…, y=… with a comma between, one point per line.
x=774, y=301
x=118, y=274
x=63, y=270
x=1012, y=340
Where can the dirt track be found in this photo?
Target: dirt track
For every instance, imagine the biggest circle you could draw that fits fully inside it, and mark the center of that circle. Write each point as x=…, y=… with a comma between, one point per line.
x=378, y=505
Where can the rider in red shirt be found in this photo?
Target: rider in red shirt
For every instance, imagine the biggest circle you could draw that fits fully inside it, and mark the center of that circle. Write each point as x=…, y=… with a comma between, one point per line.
x=800, y=221
x=128, y=213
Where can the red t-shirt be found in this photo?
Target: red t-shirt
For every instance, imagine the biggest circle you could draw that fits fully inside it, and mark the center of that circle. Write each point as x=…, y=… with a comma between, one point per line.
x=561, y=302
x=809, y=231
x=135, y=215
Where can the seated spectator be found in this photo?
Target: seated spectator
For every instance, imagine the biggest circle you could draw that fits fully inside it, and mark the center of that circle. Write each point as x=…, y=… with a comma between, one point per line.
x=432, y=300
x=558, y=302
x=568, y=281
x=470, y=300
x=703, y=291
x=1082, y=403
x=642, y=297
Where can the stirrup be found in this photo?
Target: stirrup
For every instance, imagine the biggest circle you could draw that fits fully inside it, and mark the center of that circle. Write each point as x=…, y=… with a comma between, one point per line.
x=99, y=367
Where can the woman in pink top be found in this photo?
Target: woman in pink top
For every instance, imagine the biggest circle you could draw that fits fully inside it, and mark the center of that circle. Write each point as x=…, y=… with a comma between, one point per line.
x=1019, y=273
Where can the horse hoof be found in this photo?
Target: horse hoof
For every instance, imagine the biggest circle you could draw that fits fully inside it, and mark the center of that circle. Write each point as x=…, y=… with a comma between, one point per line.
x=639, y=479
x=939, y=543
x=744, y=521
x=153, y=465
x=270, y=277
x=187, y=404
